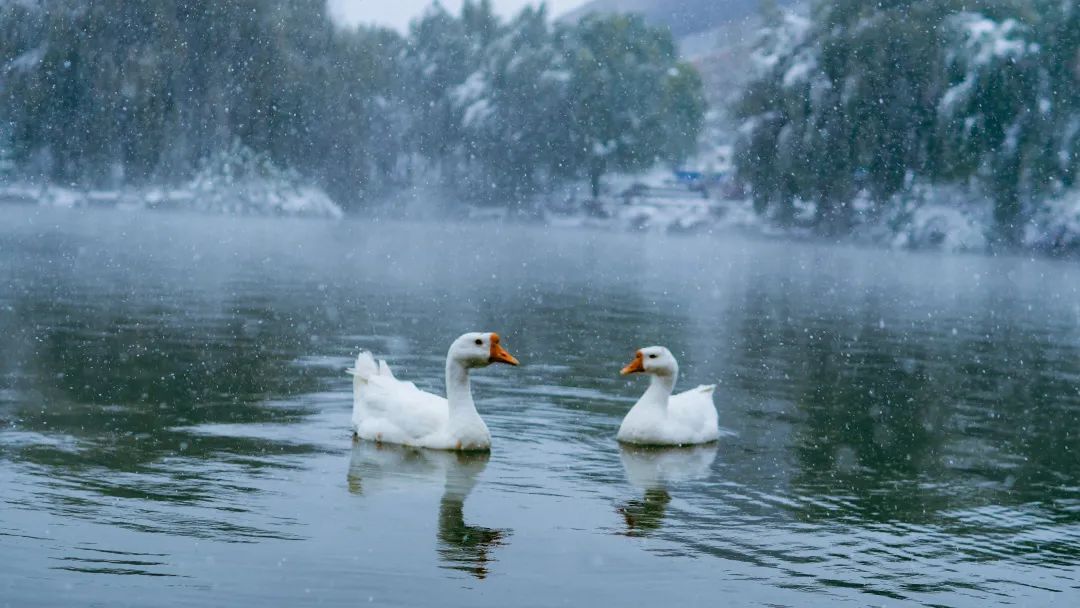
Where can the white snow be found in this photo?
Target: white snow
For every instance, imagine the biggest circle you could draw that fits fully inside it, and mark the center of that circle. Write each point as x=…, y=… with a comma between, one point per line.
x=1056, y=228
x=473, y=97
x=992, y=39
x=782, y=41
x=955, y=95
x=28, y=60
x=928, y=216
x=652, y=201
x=238, y=181
x=983, y=45
x=986, y=40
x=604, y=148
x=805, y=63
x=557, y=76
x=244, y=198
x=475, y=87
x=477, y=113
x=1072, y=134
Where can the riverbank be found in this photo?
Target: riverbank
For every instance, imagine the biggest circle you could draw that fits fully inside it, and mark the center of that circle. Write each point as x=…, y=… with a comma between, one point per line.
x=951, y=219
x=248, y=198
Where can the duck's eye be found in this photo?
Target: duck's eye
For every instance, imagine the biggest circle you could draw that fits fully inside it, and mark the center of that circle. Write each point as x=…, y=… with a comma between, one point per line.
x=479, y=342
x=652, y=356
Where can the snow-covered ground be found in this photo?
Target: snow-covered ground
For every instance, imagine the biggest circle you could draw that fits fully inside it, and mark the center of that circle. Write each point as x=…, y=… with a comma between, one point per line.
x=251, y=198
x=653, y=201
x=949, y=218
x=955, y=218
x=1056, y=228
x=237, y=182
x=663, y=215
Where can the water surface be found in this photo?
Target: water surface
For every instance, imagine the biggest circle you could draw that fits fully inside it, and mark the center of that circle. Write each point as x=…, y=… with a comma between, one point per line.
x=898, y=428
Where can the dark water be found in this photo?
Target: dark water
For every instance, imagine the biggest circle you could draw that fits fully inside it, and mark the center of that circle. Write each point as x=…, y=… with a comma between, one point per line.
x=174, y=419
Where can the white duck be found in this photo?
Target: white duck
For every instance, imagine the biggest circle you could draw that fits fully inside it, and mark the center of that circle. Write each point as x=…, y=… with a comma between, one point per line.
x=660, y=418
x=386, y=409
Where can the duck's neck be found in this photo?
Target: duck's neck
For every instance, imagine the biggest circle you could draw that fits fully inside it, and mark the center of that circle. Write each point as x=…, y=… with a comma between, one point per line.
x=660, y=388
x=458, y=390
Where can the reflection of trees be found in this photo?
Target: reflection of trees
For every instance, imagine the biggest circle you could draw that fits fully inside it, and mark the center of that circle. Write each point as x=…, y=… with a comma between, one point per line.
x=913, y=431
x=120, y=384
x=147, y=356
x=1026, y=386
x=870, y=429
x=900, y=419
x=460, y=546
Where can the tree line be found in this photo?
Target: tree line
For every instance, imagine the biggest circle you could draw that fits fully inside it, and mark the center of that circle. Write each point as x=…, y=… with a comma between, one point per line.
x=109, y=92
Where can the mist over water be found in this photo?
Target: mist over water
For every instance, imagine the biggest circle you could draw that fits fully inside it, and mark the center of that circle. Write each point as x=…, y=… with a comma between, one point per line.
x=174, y=418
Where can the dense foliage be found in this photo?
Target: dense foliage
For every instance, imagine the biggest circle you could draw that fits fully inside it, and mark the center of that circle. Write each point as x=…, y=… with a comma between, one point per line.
x=864, y=101
x=112, y=92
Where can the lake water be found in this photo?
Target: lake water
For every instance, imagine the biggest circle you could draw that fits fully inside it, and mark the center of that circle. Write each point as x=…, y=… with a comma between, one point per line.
x=174, y=419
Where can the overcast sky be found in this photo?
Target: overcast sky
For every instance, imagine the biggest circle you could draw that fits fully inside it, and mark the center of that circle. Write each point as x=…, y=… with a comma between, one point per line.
x=398, y=13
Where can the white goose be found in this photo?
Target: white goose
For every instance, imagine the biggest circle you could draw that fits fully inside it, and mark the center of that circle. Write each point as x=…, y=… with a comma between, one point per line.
x=386, y=409
x=660, y=418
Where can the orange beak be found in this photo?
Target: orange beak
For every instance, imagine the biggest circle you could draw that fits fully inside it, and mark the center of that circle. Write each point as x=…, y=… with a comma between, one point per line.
x=635, y=366
x=499, y=354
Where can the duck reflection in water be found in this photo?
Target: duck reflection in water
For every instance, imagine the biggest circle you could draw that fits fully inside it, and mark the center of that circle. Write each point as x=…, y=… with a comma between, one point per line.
x=460, y=546
x=656, y=470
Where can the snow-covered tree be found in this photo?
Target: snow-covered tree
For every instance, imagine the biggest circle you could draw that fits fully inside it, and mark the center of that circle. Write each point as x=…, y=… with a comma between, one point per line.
x=632, y=101
x=111, y=91
x=866, y=98
x=507, y=109
x=126, y=92
x=514, y=115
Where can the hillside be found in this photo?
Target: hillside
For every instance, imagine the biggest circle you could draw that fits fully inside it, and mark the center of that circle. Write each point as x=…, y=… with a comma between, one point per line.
x=684, y=17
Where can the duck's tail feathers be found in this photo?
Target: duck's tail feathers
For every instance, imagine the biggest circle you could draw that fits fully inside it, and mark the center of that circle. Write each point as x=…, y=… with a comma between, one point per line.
x=365, y=367
x=706, y=388
x=384, y=369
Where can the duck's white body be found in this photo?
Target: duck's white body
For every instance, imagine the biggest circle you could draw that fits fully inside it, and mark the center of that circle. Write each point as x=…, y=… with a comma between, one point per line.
x=661, y=418
x=685, y=419
x=388, y=410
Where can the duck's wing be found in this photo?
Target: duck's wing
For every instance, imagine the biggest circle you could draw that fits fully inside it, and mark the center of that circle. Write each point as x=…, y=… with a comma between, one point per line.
x=695, y=409
x=388, y=409
x=700, y=394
